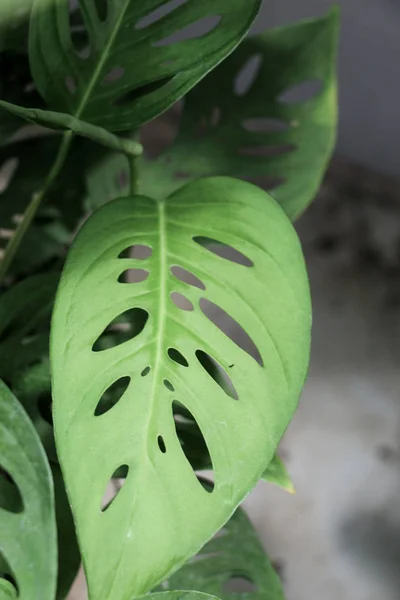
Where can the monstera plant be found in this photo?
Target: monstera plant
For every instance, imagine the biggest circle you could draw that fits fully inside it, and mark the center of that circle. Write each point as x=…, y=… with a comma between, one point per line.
x=154, y=306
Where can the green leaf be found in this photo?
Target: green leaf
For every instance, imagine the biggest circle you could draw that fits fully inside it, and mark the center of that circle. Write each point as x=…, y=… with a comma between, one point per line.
x=276, y=473
x=178, y=595
x=234, y=556
x=28, y=533
x=123, y=68
x=257, y=132
x=263, y=299
x=14, y=23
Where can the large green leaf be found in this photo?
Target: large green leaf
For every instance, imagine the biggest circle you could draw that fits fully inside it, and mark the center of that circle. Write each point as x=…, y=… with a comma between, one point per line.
x=243, y=118
x=28, y=529
x=234, y=556
x=178, y=595
x=261, y=296
x=122, y=67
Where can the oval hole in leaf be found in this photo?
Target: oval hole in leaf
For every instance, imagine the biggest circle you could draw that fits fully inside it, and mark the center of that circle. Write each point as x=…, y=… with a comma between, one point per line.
x=223, y=251
x=70, y=84
x=217, y=373
x=133, y=276
x=137, y=251
x=301, y=92
x=143, y=90
x=10, y=495
x=181, y=301
x=230, y=328
x=159, y=13
x=264, y=125
x=114, y=487
x=44, y=404
x=195, y=30
x=79, y=34
x=239, y=584
x=195, y=434
x=145, y=371
x=187, y=277
x=112, y=396
x=247, y=75
x=177, y=357
x=123, y=328
x=169, y=385
x=8, y=583
x=102, y=9
x=161, y=444
x=114, y=75
x=266, y=150
x=7, y=172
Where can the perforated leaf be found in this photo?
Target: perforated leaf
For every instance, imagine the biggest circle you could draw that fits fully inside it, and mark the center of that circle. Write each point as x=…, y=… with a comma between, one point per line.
x=234, y=559
x=268, y=114
x=118, y=64
x=163, y=515
x=28, y=544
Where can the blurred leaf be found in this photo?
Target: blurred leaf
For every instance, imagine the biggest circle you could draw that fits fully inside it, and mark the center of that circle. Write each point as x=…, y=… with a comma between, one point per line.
x=276, y=473
x=14, y=24
x=244, y=119
x=234, y=557
x=125, y=66
x=178, y=595
x=28, y=531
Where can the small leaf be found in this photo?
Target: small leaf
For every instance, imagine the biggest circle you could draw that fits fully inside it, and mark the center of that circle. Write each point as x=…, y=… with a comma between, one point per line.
x=276, y=473
x=268, y=301
x=28, y=539
x=234, y=555
x=126, y=69
x=241, y=119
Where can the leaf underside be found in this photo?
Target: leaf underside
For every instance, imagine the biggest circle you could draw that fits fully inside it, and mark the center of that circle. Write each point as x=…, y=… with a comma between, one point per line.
x=250, y=315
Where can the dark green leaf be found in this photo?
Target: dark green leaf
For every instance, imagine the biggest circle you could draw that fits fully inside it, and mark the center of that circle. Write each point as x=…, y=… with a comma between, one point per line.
x=264, y=303
x=28, y=536
x=122, y=68
x=242, y=120
x=14, y=24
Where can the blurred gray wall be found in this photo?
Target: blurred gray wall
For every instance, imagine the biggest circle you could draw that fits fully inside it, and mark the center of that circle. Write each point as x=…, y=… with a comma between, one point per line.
x=369, y=69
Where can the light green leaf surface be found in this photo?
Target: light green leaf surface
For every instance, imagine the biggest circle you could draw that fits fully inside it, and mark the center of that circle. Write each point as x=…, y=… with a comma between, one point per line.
x=178, y=595
x=28, y=529
x=242, y=120
x=267, y=300
x=122, y=66
x=234, y=556
x=276, y=473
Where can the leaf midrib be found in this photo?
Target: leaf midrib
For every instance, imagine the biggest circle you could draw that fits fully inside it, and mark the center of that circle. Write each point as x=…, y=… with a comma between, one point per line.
x=96, y=73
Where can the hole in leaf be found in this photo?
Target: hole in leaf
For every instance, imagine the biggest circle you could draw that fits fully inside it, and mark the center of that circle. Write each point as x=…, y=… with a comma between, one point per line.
x=223, y=251
x=114, y=75
x=102, y=9
x=240, y=584
x=265, y=125
x=198, y=29
x=181, y=301
x=8, y=583
x=44, y=404
x=230, y=328
x=70, y=84
x=79, y=33
x=177, y=357
x=247, y=75
x=301, y=92
x=10, y=495
x=112, y=396
x=143, y=90
x=114, y=487
x=192, y=441
x=145, y=371
x=123, y=328
x=7, y=172
x=266, y=150
x=159, y=13
x=169, y=385
x=217, y=373
x=161, y=444
x=187, y=277
x=133, y=276
x=137, y=251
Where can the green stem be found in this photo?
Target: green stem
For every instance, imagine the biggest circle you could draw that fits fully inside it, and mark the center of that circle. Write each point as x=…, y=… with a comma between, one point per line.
x=34, y=205
x=134, y=174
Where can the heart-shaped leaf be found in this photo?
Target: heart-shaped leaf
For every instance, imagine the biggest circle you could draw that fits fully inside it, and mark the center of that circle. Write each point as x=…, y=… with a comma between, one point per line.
x=122, y=66
x=242, y=302
x=268, y=113
x=28, y=527
x=233, y=559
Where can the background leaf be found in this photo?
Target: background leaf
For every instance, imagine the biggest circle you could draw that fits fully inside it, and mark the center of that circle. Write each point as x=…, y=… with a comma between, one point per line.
x=259, y=298
x=121, y=66
x=28, y=531
x=276, y=473
x=268, y=114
